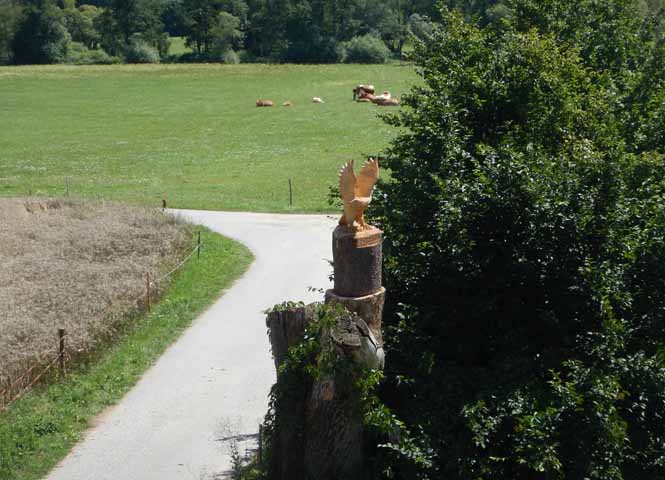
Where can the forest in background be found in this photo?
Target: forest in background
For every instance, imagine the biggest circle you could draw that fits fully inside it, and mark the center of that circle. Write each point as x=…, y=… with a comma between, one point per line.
x=226, y=31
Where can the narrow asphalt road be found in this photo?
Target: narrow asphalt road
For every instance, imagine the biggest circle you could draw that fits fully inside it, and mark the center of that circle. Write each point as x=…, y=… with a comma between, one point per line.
x=210, y=389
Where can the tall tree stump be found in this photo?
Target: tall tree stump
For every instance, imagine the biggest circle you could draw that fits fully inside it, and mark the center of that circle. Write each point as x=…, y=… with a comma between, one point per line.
x=320, y=422
x=286, y=328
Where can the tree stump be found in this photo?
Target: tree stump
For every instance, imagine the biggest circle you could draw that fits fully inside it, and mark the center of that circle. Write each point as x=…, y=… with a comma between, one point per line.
x=357, y=261
x=286, y=328
x=319, y=422
x=368, y=307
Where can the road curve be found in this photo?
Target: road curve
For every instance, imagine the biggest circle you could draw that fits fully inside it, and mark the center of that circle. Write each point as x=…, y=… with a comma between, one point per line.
x=210, y=386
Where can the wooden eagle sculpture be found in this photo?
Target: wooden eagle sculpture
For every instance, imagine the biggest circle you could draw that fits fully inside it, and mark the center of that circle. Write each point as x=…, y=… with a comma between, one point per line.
x=356, y=193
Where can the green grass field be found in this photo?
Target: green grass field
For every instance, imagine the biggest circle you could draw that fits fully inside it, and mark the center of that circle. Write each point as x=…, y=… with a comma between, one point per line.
x=190, y=134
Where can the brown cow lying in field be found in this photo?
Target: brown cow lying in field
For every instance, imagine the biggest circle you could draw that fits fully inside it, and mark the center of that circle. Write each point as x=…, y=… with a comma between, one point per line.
x=386, y=102
x=264, y=103
x=383, y=100
x=363, y=91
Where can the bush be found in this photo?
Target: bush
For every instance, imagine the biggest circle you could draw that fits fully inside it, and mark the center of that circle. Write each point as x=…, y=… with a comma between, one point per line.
x=317, y=49
x=141, y=52
x=79, y=54
x=230, y=57
x=365, y=49
x=525, y=246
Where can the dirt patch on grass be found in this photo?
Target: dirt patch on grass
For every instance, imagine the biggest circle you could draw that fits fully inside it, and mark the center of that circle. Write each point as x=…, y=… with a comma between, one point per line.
x=79, y=265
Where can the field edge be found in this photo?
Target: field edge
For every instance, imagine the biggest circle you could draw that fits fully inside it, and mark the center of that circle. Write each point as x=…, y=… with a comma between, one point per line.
x=38, y=431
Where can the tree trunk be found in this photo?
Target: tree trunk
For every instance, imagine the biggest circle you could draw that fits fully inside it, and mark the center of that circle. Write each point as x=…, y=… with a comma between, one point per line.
x=369, y=308
x=286, y=328
x=357, y=261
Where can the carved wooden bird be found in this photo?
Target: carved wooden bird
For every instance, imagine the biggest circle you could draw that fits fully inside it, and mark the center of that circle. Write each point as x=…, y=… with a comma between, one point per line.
x=356, y=192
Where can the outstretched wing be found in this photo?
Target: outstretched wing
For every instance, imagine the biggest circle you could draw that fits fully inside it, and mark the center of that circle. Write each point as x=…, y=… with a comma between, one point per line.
x=367, y=177
x=347, y=182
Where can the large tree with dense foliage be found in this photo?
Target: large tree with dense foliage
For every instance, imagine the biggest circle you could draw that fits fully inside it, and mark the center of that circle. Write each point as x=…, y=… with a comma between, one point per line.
x=126, y=23
x=41, y=35
x=213, y=26
x=525, y=245
x=10, y=16
x=80, y=24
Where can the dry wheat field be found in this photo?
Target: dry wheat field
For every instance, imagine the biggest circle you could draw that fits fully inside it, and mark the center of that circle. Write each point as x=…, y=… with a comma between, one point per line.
x=79, y=265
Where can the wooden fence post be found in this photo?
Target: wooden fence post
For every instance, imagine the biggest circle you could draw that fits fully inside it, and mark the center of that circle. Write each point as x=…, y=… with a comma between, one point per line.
x=147, y=290
x=61, y=336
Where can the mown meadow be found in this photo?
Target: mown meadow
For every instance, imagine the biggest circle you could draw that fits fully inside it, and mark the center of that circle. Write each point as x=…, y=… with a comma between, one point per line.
x=190, y=134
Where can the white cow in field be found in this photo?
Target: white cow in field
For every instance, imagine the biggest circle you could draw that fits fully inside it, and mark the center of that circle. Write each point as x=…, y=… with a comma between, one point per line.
x=317, y=100
x=380, y=98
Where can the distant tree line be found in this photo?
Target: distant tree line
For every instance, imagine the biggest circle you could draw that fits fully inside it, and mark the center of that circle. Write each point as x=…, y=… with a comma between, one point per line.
x=303, y=31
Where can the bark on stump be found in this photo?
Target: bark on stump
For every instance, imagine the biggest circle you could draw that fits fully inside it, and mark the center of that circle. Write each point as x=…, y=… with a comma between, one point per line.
x=286, y=328
x=357, y=261
x=320, y=425
x=368, y=307
x=325, y=437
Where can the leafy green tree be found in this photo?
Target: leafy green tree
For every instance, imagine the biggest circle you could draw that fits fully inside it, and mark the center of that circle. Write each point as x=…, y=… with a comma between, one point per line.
x=80, y=24
x=200, y=18
x=420, y=26
x=525, y=246
x=213, y=26
x=110, y=37
x=173, y=18
x=41, y=36
x=226, y=34
x=129, y=22
x=10, y=16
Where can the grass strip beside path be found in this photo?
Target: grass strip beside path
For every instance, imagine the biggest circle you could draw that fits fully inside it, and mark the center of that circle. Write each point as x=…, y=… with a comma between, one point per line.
x=39, y=430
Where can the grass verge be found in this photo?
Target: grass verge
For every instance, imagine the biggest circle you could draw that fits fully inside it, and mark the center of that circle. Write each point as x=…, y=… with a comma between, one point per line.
x=39, y=430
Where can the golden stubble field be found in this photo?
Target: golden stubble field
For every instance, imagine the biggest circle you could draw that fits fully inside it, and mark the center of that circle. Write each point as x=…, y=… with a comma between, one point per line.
x=78, y=265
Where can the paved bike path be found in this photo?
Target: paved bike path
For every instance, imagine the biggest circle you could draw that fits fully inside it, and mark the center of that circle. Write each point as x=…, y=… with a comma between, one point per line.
x=211, y=386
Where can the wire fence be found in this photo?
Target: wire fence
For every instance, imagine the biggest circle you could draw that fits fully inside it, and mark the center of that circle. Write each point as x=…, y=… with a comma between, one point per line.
x=12, y=390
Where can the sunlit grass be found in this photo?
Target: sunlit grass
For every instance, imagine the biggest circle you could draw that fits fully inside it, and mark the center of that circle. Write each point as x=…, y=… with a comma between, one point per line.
x=190, y=134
